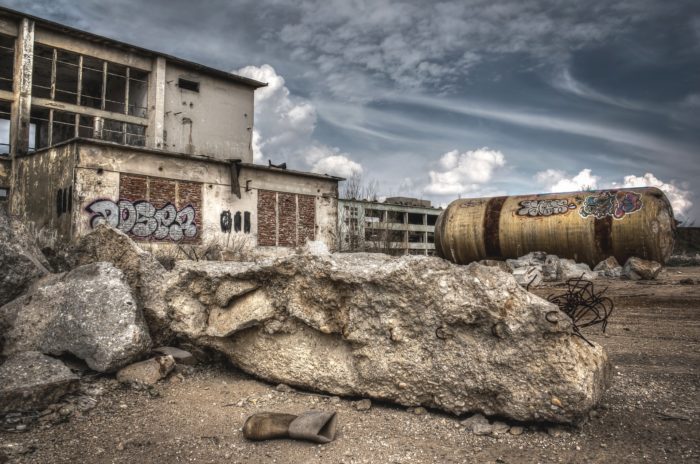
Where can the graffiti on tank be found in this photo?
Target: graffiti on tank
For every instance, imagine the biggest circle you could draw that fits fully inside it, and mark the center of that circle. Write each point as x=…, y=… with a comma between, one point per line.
x=616, y=204
x=142, y=219
x=545, y=207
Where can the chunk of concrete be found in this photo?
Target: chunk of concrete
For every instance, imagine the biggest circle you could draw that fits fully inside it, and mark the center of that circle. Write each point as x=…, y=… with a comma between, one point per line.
x=30, y=381
x=530, y=276
x=641, y=269
x=502, y=265
x=608, y=268
x=147, y=372
x=251, y=309
x=21, y=260
x=417, y=331
x=570, y=269
x=88, y=312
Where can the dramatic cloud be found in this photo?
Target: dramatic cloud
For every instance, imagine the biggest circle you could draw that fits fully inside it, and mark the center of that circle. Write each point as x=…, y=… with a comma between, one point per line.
x=284, y=126
x=557, y=181
x=464, y=173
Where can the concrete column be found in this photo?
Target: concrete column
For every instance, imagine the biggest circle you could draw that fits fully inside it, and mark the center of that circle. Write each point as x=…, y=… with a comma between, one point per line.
x=22, y=89
x=155, y=133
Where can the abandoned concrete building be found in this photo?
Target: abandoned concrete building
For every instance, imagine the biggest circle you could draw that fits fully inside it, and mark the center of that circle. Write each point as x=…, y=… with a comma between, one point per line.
x=93, y=130
x=399, y=225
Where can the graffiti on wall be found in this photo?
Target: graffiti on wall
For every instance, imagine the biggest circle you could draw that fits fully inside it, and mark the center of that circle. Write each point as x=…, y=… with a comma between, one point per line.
x=545, y=207
x=611, y=203
x=226, y=222
x=142, y=219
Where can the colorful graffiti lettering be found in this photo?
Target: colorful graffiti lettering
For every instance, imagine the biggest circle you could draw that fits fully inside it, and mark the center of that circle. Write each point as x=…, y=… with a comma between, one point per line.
x=142, y=219
x=614, y=204
x=545, y=207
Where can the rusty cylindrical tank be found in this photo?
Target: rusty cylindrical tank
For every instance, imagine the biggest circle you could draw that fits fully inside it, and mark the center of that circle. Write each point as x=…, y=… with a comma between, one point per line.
x=585, y=226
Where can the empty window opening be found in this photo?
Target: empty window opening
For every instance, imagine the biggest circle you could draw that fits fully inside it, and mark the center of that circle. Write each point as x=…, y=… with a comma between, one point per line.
x=7, y=61
x=39, y=129
x=67, y=74
x=91, y=88
x=115, y=93
x=431, y=237
x=5, y=108
x=416, y=237
x=396, y=236
x=63, y=127
x=432, y=219
x=136, y=135
x=188, y=85
x=395, y=217
x=246, y=222
x=237, y=221
x=138, y=93
x=373, y=215
x=42, y=71
x=415, y=219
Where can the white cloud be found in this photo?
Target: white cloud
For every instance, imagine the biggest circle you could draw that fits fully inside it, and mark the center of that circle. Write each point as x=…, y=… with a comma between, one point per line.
x=464, y=173
x=284, y=127
x=558, y=181
x=680, y=198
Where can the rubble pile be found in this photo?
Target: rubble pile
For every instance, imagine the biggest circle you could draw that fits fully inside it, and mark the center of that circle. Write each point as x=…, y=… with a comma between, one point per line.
x=534, y=268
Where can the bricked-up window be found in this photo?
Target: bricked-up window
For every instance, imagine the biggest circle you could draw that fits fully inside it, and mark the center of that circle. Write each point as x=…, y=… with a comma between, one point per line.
x=285, y=219
x=7, y=59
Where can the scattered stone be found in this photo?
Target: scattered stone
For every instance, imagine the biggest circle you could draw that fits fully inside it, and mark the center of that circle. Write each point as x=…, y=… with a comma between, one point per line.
x=530, y=276
x=88, y=312
x=179, y=355
x=419, y=411
x=30, y=381
x=570, y=269
x=608, y=268
x=362, y=405
x=687, y=282
x=284, y=388
x=447, y=316
x=641, y=269
x=21, y=260
x=516, y=430
x=499, y=428
x=147, y=372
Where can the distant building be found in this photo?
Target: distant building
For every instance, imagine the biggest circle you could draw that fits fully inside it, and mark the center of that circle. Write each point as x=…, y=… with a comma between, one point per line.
x=397, y=226
x=94, y=130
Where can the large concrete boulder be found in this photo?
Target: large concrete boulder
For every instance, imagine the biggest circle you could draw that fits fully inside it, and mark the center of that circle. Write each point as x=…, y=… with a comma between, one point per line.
x=141, y=269
x=88, y=312
x=417, y=331
x=21, y=261
x=30, y=381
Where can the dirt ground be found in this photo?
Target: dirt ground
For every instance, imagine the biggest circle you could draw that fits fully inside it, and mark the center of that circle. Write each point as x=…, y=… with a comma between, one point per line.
x=649, y=414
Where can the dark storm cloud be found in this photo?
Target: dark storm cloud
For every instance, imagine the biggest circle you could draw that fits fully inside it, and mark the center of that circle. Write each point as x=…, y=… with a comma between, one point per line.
x=555, y=87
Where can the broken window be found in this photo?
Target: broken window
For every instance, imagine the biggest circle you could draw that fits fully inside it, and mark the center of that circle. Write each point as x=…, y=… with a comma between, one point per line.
x=373, y=215
x=394, y=216
x=91, y=88
x=432, y=219
x=5, y=108
x=431, y=237
x=63, y=127
x=7, y=58
x=138, y=91
x=39, y=128
x=115, y=93
x=396, y=236
x=415, y=237
x=415, y=219
x=188, y=85
x=67, y=74
x=43, y=69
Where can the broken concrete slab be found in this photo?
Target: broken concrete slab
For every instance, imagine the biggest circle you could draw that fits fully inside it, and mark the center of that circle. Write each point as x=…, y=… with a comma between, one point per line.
x=529, y=276
x=417, y=331
x=30, y=381
x=21, y=260
x=641, y=269
x=88, y=312
x=570, y=269
x=608, y=268
x=147, y=372
x=141, y=269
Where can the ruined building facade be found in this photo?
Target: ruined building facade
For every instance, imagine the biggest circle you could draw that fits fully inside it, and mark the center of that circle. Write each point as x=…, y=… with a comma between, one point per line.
x=93, y=130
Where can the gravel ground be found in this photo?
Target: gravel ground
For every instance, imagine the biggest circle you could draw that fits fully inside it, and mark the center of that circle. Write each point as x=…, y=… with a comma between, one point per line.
x=650, y=413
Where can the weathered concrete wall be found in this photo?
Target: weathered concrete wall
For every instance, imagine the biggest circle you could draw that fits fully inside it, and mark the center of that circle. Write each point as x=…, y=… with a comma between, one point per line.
x=44, y=193
x=107, y=174
x=216, y=121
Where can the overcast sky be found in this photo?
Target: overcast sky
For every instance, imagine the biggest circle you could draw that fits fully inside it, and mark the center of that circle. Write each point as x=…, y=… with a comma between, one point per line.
x=457, y=98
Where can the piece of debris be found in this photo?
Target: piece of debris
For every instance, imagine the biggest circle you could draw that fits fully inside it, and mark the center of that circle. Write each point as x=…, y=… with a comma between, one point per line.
x=608, y=268
x=584, y=306
x=21, y=260
x=477, y=424
x=687, y=281
x=502, y=265
x=30, y=381
x=179, y=355
x=315, y=426
x=362, y=405
x=323, y=311
x=88, y=312
x=641, y=269
x=570, y=269
x=516, y=430
x=529, y=276
x=147, y=372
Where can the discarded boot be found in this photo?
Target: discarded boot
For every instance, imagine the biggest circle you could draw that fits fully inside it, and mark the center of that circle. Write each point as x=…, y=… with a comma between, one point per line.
x=316, y=426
